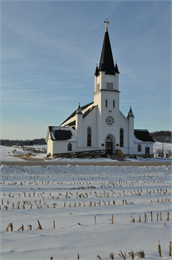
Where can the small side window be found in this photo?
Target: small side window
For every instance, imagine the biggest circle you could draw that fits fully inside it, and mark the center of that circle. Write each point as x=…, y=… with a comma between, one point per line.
x=98, y=86
x=121, y=137
x=69, y=147
x=113, y=103
x=109, y=86
x=89, y=136
x=106, y=103
x=139, y=149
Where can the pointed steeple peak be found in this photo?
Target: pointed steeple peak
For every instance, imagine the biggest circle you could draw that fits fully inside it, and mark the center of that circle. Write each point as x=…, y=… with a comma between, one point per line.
x=106, y=60
x=96, y=71
x=130, y=113
x=116, y=68
x=79, y=110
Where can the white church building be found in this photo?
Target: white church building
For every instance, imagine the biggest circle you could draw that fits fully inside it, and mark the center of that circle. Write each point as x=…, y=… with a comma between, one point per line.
x=100, y=124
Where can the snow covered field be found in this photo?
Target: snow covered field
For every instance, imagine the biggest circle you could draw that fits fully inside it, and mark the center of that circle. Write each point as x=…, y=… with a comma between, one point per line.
x=8, y=153
x=82, y=200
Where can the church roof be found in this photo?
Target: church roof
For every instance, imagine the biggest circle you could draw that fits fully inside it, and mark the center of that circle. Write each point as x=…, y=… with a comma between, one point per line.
x=74, y=113
x=143, y=135
x=106, y=60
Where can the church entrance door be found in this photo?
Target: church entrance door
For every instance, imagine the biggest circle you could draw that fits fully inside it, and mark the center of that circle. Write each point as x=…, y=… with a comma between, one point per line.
x=109, y=147
x=109, y=144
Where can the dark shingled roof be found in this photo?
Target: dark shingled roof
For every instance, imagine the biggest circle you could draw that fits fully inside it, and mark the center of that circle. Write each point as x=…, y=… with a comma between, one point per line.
x=73, y=123
x=88, y=111
x=143, y=135
x=74, y=113
x=106, y=60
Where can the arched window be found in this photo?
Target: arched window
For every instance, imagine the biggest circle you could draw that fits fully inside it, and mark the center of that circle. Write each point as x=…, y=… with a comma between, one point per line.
x=139, y=148
x=89, y=136
x=121, y=137
x=69, y=147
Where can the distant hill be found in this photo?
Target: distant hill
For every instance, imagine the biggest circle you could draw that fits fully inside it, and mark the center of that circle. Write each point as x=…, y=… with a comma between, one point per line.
x=162, y=136
x=23, y=142
x=158, y=136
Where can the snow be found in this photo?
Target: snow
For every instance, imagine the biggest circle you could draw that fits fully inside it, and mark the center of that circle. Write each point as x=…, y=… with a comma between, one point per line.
x=73, y=131
x=8, y=153
x=140, y=141
x=165, y=146
x=141, y=187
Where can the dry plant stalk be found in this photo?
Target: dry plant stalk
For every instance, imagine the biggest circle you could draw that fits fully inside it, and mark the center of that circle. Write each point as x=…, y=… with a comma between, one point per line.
x=39, y=225
x=151, y=217
x=99, y=257
x=111, y=256
x=140, y=254
x=167, y=216
x=95, y=220
x=160, y=216
x=139, y=218
x=10, y=225
x=131, y=254
x=159, y=248
x=170, y=249
x=122, y=255
x=29, y=227
x=21, y=228
x=112, y=219
x=133, y=220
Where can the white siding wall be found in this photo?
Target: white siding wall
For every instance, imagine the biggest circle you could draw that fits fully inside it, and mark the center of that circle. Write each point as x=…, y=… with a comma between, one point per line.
x=89, y=121
x=49, y=145
x=143, y=145
x=62, y=146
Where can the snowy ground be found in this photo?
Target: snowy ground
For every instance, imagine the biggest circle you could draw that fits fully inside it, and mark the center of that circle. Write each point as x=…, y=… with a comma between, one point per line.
x=76, y=197
x=8, y=153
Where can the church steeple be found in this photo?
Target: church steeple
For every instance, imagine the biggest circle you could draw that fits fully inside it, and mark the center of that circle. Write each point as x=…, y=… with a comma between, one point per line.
x=106, y=60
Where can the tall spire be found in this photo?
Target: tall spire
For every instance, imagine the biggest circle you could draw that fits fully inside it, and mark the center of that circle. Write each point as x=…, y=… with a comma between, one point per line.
x=106, y=60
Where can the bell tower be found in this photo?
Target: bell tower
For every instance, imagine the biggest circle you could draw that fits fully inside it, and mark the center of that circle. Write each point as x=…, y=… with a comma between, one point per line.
x=106, y=93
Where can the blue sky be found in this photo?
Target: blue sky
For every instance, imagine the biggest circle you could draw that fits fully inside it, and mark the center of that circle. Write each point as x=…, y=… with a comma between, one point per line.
x=49, y=51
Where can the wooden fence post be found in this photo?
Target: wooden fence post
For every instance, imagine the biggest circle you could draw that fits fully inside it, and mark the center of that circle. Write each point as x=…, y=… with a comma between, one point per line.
x=53, y=224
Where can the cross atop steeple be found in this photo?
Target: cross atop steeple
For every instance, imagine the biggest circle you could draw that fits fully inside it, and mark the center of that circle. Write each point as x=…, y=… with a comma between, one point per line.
x=106, y=22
